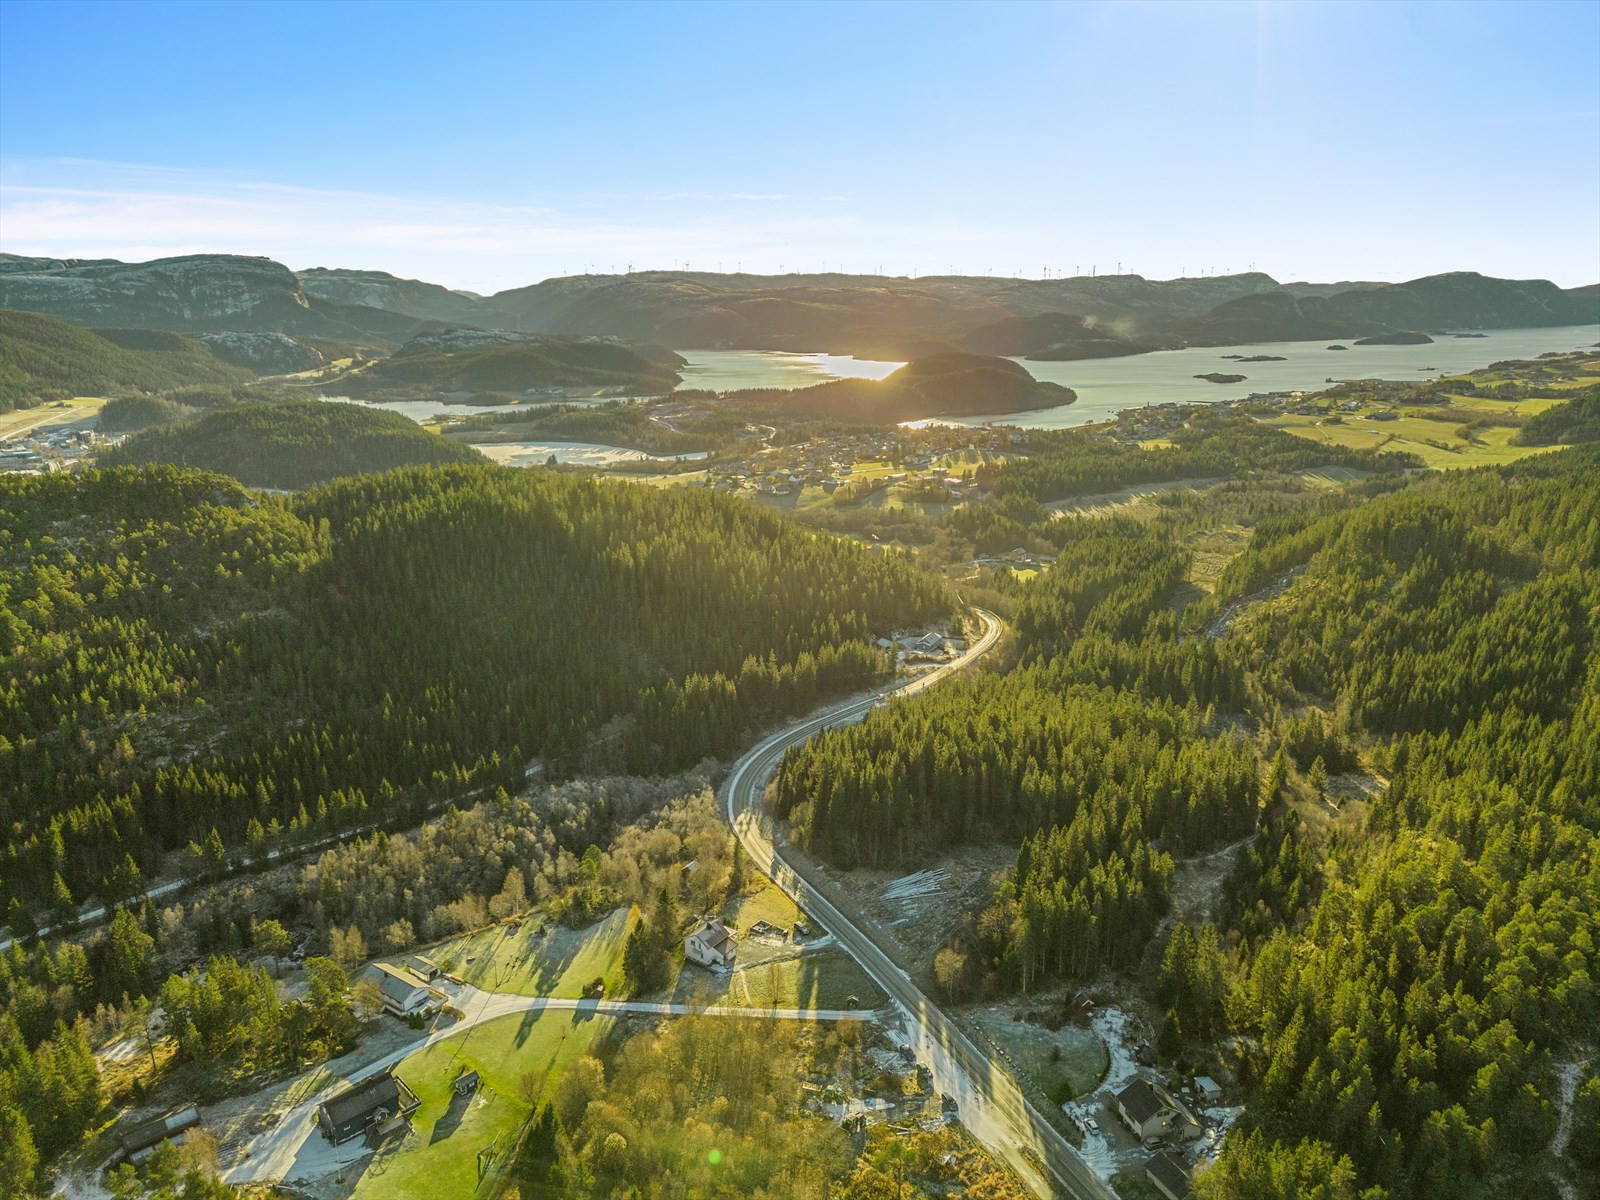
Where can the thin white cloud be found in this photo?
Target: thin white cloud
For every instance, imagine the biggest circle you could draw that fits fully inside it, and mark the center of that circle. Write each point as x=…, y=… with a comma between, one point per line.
x=76, y=209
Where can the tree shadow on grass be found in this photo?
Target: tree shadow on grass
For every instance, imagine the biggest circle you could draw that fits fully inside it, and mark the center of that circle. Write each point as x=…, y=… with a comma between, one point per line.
x=452, y=1118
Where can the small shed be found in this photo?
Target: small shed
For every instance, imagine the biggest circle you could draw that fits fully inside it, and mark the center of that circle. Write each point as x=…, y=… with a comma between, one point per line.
x=466, y=1083
x=140, y=1142
x=1207, y=1088
x=425, y=968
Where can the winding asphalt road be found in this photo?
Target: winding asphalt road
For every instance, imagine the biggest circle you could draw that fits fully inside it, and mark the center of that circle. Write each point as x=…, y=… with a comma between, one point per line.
x=990, y=1103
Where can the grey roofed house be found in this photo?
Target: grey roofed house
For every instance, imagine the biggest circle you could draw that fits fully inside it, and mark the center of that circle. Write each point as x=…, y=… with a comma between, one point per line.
x=710, y=944
x=1168, y=1175
x=348, y=1114
x=403, y=991
x=1144, y=1109
x=139, y=1142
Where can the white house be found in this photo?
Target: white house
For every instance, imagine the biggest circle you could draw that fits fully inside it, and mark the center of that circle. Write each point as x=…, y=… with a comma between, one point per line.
x=1151, y=1111
x=710, y=944
x=404, y=993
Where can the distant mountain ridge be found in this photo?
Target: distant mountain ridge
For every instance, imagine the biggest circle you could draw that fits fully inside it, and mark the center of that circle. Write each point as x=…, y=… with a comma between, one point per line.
x=865, y=315
x=195, y=293
x=1459, y=300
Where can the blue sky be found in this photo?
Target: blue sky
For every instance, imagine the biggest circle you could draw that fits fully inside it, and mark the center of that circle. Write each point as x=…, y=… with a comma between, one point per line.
x=486, y=146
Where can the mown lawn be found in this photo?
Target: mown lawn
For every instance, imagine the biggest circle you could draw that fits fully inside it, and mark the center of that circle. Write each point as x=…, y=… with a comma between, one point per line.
x=439, y=1159
x=826, y=979
x=767, y=903
x=562, y=962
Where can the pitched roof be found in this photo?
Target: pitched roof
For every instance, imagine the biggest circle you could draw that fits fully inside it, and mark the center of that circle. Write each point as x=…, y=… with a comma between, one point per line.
x=1140, y=1101
x=381, y=1091
x=714, y=934
x=396, y=983
x=1170, y=1172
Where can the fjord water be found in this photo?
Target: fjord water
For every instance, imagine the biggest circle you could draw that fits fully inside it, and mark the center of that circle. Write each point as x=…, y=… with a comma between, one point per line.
x=734, y=370
x=583, y=454
x=1105, y=386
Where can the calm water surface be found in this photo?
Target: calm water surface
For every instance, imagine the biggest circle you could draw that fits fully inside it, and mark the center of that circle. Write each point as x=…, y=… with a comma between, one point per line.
x=733, y=370
x=584, y=454
x=1105, y=386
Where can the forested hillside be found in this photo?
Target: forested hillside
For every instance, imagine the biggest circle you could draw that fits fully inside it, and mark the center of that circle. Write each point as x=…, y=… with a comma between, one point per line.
x=43, y=358
x=1410, y=1021
x=1575, y=420
x=946, y=384
x=1407, y=986
x=1093, y=756
x=181, y=657
x=1081, y=462
x=496, y=366
x=292, y=445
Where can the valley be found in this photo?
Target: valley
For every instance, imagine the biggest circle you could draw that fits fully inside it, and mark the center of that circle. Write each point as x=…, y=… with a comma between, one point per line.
x=929, y=742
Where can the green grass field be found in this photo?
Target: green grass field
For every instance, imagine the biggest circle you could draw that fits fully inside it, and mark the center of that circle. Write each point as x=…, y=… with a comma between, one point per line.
x=1434, y=442
x=826, y=979
x=22, y=421
x=561, y=963
x=439, y=1158
x=767, y=903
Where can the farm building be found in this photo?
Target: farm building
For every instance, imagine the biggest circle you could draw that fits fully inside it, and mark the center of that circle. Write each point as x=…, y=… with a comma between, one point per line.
x=140, y=1142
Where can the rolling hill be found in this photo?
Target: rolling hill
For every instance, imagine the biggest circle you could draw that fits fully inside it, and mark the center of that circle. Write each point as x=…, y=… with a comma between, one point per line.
x=196, y=293
x=1458, y=300
x=1052, y=337
x=43, y=358
x=947, y=384
x=495, y=366
x=292, y=445
x=866, y=315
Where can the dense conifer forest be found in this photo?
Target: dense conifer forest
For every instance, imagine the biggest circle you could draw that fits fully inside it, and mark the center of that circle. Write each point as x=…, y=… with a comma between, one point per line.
x=188, y=664
x=194, y=672
x=1405, y=995
x=292, y=445
x=43, y=359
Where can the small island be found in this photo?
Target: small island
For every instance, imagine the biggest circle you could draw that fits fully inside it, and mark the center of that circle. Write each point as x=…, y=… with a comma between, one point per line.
x=1402, y=337
x=1338, y=347
x=1258, y=357
x=1469, y=335
x=1219, y=377
x=946, y=384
